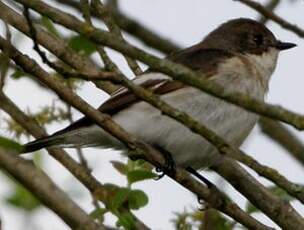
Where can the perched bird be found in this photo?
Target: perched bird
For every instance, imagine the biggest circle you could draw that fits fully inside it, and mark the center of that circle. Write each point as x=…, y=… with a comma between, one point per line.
x=239, y=55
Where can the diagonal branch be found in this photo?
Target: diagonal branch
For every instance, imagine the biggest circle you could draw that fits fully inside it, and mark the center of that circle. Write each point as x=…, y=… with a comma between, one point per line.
x=134, y=28
x=46, y=191
x=270, y=6
x=105, y=14
x=274, y=17
x=284, y=138
x=55, y=45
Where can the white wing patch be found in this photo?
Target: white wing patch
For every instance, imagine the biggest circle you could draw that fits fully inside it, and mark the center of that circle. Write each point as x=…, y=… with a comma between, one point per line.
x=142, y=79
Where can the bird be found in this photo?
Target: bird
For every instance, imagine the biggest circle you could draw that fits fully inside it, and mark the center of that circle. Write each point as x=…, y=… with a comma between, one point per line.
x=240, y=55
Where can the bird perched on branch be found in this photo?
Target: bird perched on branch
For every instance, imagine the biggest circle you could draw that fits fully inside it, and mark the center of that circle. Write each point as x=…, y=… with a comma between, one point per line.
x=240, y=55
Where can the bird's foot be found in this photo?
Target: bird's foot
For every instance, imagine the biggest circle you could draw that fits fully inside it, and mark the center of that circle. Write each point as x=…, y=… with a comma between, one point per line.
x=169, y=168
x=208, y=183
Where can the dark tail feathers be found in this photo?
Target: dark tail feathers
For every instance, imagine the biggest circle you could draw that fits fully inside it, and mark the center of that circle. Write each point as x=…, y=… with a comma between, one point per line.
x=41, y=143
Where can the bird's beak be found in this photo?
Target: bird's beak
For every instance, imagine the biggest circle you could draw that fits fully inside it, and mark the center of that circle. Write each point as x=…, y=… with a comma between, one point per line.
x=284, y=45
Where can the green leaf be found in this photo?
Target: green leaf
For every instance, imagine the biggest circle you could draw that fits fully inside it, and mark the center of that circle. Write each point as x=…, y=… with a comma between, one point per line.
x=137, y=199
x=10, y=144
x=17, y=74
x=139, y=175
x=49, y=26
x=120, y=167
x=23, y=199
x=120, y=197
x=37, y=159
x=251, y=208
x=216, y=220
x=82, y=45
x=99, y=214
x=126, y=220
x=106, y=192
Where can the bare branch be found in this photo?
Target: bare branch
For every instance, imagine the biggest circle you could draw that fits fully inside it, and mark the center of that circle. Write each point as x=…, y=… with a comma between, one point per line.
x=4, y=56
x=56, y=46
x=136, y=29
x=284, y=138
x=274, y=17
x=105, y=14
x=46, y=191
x=270, y=6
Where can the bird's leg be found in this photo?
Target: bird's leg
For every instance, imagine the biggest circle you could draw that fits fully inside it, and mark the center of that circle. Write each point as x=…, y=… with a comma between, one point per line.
x=169, y=167
x=208, y=183
x=193, y=172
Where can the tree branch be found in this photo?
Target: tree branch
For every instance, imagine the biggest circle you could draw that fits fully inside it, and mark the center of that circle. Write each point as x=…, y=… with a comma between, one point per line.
x=56, y=46
x=105, y=14
x=274, y=17
x=270, y=6
x=284, y=138
x=46, y=191
x=134, y=28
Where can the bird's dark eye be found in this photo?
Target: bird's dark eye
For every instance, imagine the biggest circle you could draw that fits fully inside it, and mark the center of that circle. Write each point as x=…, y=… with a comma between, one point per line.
x=258, y=39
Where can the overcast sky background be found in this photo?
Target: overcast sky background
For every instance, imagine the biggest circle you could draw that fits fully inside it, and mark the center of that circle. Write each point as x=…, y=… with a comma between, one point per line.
x=185, y=22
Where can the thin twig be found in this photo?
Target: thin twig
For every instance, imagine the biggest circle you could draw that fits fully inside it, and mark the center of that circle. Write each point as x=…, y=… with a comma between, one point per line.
x=105, y=14
x=4, y=56
x=274, y=17
x=85, y=8
x=270, y=6
x=56, y=46
x=134, y=28
x=102, y=75
x=83, y=161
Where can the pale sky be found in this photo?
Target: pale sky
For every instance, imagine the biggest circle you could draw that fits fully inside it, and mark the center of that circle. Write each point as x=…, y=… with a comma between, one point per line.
x=186, y=22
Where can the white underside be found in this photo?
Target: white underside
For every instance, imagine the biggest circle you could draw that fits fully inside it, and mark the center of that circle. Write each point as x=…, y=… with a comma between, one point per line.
x=188, y=149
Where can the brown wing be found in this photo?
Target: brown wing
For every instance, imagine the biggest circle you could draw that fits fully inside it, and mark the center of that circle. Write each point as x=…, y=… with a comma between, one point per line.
x=201, y=60
x=125, y=98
